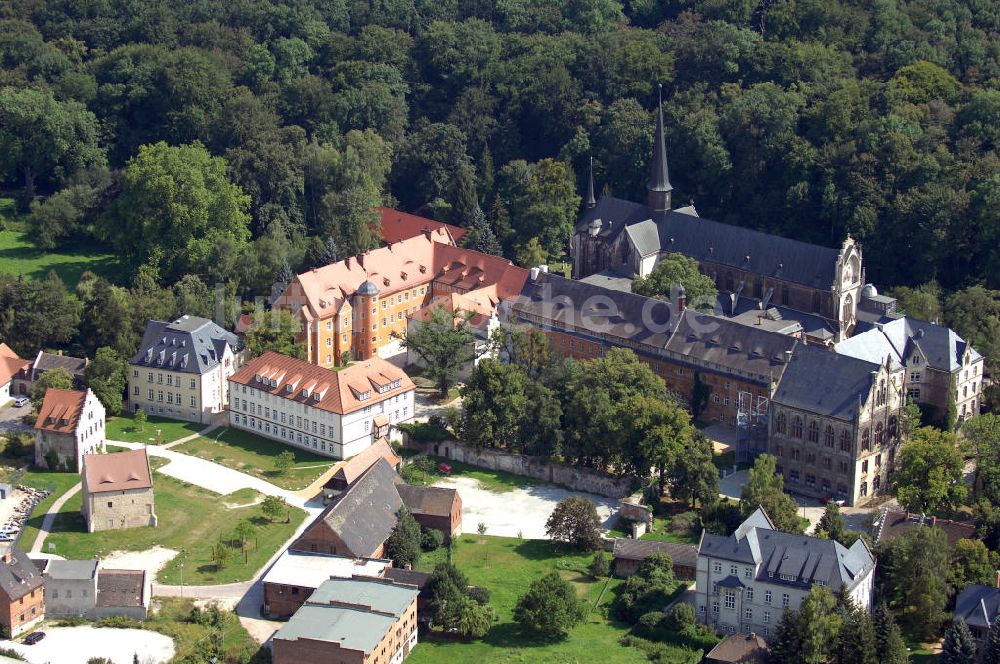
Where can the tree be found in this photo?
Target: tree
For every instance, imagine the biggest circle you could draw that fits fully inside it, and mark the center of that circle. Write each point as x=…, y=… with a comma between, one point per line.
x=786, y=646
x=444, y=344
x=914, y=579
x=991, y=654
x=532, y=253
x=929, y=477
x=819, y=624
x=482, y=238
x=36, y=314
x=403, y=545
x=542, y=201
x=59, y=378
x=273, y=507
x=982, y=439
x=856, y=643
x=177, y=205
x=889, y=644
x=975, y=314
x=958, y=646
x=971, y=564
x=922, y=302
x=575, y=522
x=283, y=461
x=494, y=405
x=675, y=270
x=140, y=420
x=445, y=591
x=222, y=553
x=648, y=589
x=107, y=376
x=695, y=476
x=831, y=525
x=659, y=433
x=599, y=566
x=244, y=532
x=275, y=330
x=474, y=619
x=765, y=488
x=550, y=608
x=43, y=138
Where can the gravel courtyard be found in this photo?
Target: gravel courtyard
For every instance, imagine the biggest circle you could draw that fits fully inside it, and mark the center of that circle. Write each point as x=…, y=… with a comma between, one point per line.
x=75, y=645
x=523, y=510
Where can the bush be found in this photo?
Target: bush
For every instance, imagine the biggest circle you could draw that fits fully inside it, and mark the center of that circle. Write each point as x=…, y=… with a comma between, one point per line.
x=431, y=539
x=426, y=432
x=479, y=594
x=650, y=622
x=684, y=523
x=121, y=622
x=680, y=617
x=662, y=653
x=10, y=653
x=550, y=608
x=599, y=566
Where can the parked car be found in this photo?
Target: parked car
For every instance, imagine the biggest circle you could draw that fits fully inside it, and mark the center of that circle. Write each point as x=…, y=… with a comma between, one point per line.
x=34, y=638
x=21, y=402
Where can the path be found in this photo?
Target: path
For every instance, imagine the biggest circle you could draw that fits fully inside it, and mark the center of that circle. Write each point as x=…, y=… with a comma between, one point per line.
x=181, y=441
x=50, y=517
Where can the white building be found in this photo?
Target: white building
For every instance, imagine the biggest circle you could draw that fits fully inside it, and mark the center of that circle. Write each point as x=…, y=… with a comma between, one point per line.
x=745, y=581
x=70, y=424
x=332, y=413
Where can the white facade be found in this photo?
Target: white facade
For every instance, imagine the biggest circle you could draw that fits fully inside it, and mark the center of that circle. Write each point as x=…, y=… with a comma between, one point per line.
x=315, y=429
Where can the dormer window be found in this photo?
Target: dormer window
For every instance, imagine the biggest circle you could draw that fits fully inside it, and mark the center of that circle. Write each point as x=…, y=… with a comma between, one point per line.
x=306, y=392
x=364, y=396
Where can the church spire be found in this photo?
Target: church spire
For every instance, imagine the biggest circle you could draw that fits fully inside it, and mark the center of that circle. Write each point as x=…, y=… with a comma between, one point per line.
x=591, y=201
x=659, y=187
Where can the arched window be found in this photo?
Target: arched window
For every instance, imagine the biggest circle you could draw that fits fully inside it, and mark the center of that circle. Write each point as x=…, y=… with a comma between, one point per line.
x=891, y=430
x=845, y=441
x=866, y=440
x=880, y=397
x=780, y=424
x=813, y=432
x=797, y=427
x=758, y=288
x=879, y=434
x=828, y=436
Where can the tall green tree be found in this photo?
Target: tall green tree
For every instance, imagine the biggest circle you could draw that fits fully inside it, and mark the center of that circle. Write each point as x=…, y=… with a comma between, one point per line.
x=765, y=488
x=675, y=270
x=981, y=439
x=403, y=545
x=929, y=477
x=856, y=643
x=59, y=378
x=913, y=579
x=36, y=314
x=660, y=432
x=542, y=200
x=819, y=624
x=970, y=563
x=831, y=525
x=550, y=607
x=494, y=405
x=445, y=343
x=107, y=376
x=958, y=646
x=890, y=647
x=695, y=475
x=575, y=522
x=275, y=330
x=991, y=652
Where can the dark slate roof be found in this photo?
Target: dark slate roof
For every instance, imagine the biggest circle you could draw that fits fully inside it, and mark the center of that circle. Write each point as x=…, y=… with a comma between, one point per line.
x=902, y=337
x=739, y=649
x=893, y=523
x=778, y=318
x=76, y=570
x=594, y=310
x=409, y=577
x=365, y=514
x=429, y=500
x=802, y=560
x=685, y=555
x=978, y=606
x=48, y=361
x=823, y=382
x=659, y=177
x=731, y=346
x=731, y=581
x=189, y=344
x=120, y=587
x=712, y=241
x=20, y=576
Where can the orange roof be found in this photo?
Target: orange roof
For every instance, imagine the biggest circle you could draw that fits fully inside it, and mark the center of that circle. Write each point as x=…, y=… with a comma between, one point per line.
x=10, y=364
x=359, y=464
x=398, y=226
x=352, y=388
x=117, y=471
x=482, y=303
x=61, y=410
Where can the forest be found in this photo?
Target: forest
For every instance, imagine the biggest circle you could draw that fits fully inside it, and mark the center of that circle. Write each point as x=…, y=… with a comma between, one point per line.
x=232, y=142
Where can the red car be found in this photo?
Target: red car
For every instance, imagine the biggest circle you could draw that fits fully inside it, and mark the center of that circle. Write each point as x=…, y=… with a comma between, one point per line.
x=444, y=468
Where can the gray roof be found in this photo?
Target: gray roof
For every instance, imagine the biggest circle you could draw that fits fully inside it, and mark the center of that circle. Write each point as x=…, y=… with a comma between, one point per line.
x=619, y=280
x=75, y=570
x=353, y=629
x=595, y=311
x=48, y=361
x=20, y=576
x=408, y=577
x=639, y=549
x=378, y=595
x=787, y=559
x=659, y=178
x=427, y=500
x=712, y=241
x=978, y=606
x=367, y=288
x=726, y=345
x=900, y=338
x=189, y=344
x=364, y=515
x=777, y=318
x=843, y=388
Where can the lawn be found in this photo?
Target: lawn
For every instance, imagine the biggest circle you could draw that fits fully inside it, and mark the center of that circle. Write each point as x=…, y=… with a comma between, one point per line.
x=661, y=532
x=425, y=471
x=507, y=566
x=19, y=256
x=191, y=520
x=156, y=430
x=58, y=483
x=254, y=455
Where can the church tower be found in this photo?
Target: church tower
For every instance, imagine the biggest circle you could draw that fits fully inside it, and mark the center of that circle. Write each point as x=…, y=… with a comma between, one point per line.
x=658, y=189
x=591, y=200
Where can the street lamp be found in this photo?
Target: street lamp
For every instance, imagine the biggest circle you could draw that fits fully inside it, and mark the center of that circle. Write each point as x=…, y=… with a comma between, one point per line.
x=181, y=567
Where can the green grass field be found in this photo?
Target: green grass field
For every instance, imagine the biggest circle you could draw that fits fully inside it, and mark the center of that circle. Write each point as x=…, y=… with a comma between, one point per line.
x=191, y=521
x=156, y=430
x=507, y=566
x=254, y=455
x=19, y=256
x=425, y=471
x=58, y=483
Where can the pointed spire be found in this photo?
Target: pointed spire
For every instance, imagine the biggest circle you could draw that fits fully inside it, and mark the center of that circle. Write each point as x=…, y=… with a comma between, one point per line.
x=659, y=187
x=591, y=201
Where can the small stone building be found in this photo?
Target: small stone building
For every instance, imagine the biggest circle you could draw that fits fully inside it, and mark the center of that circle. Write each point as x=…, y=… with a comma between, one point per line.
x=629, y=554
x=70, y=424
x=70, y=587
x=295, y=575
x=434, y=507
x=117, y=491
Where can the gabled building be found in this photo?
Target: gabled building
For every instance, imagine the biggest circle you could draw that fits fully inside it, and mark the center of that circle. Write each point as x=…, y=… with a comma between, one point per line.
x=117, y=491
x=890, y=524
x=295, y=576
x=182, y=367
x=12, y=372
x=397, y=226
x=940, y=368
x=979, y=607
x=332, y=413
x=745, y=581
x=70, y=424
x=630, y=553
x=22, y=594
x=433, y=507
x=354, y=468
x=835, y=424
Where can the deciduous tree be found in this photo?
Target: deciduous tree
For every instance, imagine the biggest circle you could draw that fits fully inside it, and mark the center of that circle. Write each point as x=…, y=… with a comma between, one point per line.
x=675, y=270
x=575, y=522
x=444, y=343
x=550, y=607
x=929, y=477
x=765, y=488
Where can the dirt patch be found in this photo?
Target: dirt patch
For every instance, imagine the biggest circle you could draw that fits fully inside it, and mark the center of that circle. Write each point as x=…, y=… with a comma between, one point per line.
x=151, y=560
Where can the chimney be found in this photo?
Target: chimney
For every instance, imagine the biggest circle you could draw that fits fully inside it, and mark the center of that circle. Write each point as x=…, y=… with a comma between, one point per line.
x=998, y=578
x=426, y=231
x=408, y=567
x=533, y=273
x=544, y=269
x=682, y=300
x=788, y=356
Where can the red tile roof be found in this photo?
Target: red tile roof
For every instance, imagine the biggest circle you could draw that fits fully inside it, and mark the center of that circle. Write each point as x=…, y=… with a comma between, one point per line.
x=338, y=391
x=117, y=471
x=10, y=364
x=397, y=226
x=60, y=412
x=359, y=464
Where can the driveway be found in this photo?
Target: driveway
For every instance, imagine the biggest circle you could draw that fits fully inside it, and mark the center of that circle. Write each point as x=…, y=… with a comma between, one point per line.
x=75, y=645
x=521, y=512
x=10, y=418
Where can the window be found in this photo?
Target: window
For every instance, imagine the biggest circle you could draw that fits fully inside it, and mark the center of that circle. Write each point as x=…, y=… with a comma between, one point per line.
x=914, y=376
x=748, y=572
x=767, y=597
x=913, y=393
x=748, y=614
x=879, y=434
x=715, y=607
x=828, y=436
x=749, y=593
x=734, y=570
x=149, y=377
x=813, y=432
x=866, y=440
x=717, y=568
x=767, y=617
x=730, y=599
x=864, y=466
x=797, y=427
x=192, y=401
x=109, y=503
x=784, y=599
x=780, y=424
x=135, y=390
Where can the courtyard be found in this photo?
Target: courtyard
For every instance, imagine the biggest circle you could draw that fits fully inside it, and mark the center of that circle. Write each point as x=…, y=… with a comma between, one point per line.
x=75, y=645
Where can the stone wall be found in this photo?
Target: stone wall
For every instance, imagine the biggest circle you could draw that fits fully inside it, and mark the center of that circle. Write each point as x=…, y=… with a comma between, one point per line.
x=577, y=479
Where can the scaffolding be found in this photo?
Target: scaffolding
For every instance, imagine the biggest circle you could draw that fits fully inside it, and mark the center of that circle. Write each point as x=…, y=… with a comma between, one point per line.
x=751, y=427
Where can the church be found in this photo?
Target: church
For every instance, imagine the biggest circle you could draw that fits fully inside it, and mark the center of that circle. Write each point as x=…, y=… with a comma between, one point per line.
x=754, y=272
